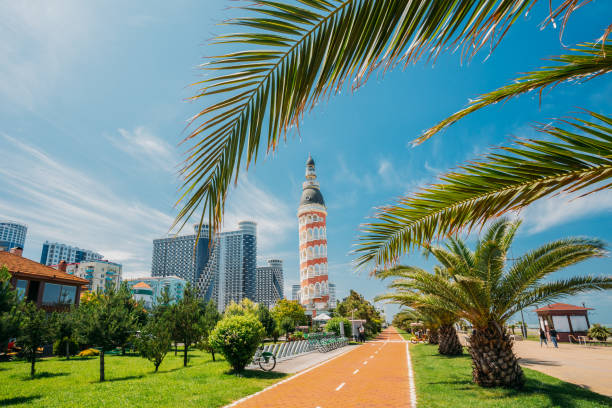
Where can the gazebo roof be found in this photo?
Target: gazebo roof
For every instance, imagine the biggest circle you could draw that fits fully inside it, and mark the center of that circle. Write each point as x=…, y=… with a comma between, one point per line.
x=561, y=307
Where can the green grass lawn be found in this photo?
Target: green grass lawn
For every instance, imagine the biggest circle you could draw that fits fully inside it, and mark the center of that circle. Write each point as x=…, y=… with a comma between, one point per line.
x=403, y=333
x=447, y=382
x=130, y=383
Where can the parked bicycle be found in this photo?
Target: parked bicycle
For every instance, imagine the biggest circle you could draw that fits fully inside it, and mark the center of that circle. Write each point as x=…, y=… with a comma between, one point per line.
x=265, y=359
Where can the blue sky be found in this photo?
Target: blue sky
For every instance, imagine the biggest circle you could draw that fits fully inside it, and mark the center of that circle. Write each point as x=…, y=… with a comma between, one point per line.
x=92, y=108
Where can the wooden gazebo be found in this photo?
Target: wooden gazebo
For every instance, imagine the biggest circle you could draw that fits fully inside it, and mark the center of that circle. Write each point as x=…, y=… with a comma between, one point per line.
x=567, y=320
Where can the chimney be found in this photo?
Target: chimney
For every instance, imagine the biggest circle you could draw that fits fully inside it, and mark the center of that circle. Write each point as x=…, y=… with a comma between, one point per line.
x=17, y=251
x=62, y=266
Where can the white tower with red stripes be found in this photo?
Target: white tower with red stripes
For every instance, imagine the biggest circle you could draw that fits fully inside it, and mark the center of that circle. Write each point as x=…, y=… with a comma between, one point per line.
x=312, y=217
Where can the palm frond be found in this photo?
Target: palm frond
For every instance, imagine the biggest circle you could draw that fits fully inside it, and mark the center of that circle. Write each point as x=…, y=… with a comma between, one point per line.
x=293, y=54
x=554, y=290
x=579, y=157
x=589, y=61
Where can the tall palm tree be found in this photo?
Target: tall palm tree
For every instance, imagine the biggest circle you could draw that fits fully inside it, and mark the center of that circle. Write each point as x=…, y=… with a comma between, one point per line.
x=287, y=55
x=484, y=290
x=438, y=320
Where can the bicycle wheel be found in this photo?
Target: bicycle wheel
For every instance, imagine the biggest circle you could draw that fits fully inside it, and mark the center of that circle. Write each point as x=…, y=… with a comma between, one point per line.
x=267, y=362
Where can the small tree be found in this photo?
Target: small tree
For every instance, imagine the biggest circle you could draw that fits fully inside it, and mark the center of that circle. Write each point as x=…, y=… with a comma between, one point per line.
x=36, y=331
x=288, y=314
x=266, y=320
x=333, y=325
x=9, y=326
x=246, y=306
x=210, y=318
x=287, y=325
x=237, y=337
x=102, y=322
x=599, y=332
x=188, y=327
x=64, y=334
x=155, y=340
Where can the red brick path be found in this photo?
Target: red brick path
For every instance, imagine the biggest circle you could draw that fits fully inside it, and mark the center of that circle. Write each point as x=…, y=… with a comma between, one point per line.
x=382, y=380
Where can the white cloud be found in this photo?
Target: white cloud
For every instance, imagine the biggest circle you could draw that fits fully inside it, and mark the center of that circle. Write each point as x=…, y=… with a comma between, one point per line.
x=275, y=218
x=550, y=212
x=143, y=145
x=60, y=203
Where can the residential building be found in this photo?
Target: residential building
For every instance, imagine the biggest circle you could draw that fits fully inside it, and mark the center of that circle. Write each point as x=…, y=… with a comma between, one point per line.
x=237, y=276
x=54, y=252
x=12, y=235
x=141, y=292
x=223, y=270
x=332, y=295
x=295, y=292
x=269, y=283
x=50, y=289
x=175, y=285
x=312, y=219
x=100, y=274
x=197, y=264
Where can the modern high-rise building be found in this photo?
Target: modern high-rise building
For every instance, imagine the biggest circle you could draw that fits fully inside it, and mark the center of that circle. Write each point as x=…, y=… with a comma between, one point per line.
x=312, y=218
x=157, y=284
x=295, y=292
x=12, y=235
x=100, y=274
x=223, y=271
x=237, y=265
x=269, y=283
x=332, y=295
x=54, y=252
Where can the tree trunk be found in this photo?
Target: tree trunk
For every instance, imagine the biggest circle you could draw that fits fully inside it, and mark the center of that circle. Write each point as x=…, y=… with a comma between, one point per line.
x=213, y=354
x=32, y=367
x=449, y=341
x=102, y=365
x=175, y=348
x=185, y=348
x=493, y=362
x=157, y=367
x=67, y=350
x=123, y=350
x=433, y=336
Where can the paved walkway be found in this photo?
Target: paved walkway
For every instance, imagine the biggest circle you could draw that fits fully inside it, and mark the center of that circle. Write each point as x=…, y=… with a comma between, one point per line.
x=589, y=367
x=372, y=375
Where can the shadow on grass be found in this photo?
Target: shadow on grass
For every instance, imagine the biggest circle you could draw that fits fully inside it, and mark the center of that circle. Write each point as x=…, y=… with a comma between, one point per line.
x=264, y=375
x=44, y=375
x=126, y=378
x=563, y=395
x=18, y=400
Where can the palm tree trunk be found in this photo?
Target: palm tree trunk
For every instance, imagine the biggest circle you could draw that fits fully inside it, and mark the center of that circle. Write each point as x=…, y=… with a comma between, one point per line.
x=493, y=361
x=32, y=367
x=434, y=336
x=449, y=341
x=185, y=348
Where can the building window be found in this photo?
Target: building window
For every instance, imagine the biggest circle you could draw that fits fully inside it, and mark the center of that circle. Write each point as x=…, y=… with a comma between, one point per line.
x=21, y=287
x=51, y=294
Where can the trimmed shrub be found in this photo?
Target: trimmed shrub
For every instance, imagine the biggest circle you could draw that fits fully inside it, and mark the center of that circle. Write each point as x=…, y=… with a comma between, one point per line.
x=59, y=347
x=89, y=353
x=237, y=338
x=333, y=325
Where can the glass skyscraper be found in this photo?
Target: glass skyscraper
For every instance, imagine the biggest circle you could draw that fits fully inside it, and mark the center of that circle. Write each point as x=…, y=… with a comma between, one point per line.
x=54, y=252
x=269, y=283
x=12, y=235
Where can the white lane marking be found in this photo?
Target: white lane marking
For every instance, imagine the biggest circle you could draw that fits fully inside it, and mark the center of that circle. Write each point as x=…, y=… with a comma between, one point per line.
x=340, y=386
x=233, y=404
x=413, y=398
x=356, y=371
x=365, y=362
x=376, y=352
x=371, y=356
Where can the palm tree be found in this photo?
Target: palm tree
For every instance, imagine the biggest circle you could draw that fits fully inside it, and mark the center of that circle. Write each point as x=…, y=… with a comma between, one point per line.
x=439, y=320
x=487, y=292
x=291, y=54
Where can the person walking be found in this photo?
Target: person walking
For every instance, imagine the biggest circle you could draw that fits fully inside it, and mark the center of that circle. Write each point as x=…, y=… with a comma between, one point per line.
x=361, y=334
x=553, y=337
x=543, y=338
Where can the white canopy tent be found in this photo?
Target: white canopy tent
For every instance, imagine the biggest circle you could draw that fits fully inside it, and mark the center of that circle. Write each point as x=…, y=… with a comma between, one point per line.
x=322, y=318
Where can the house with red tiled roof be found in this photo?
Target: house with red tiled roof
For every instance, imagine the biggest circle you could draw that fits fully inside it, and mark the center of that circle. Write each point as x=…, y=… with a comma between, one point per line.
x=51, y=289
x=567, y=320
